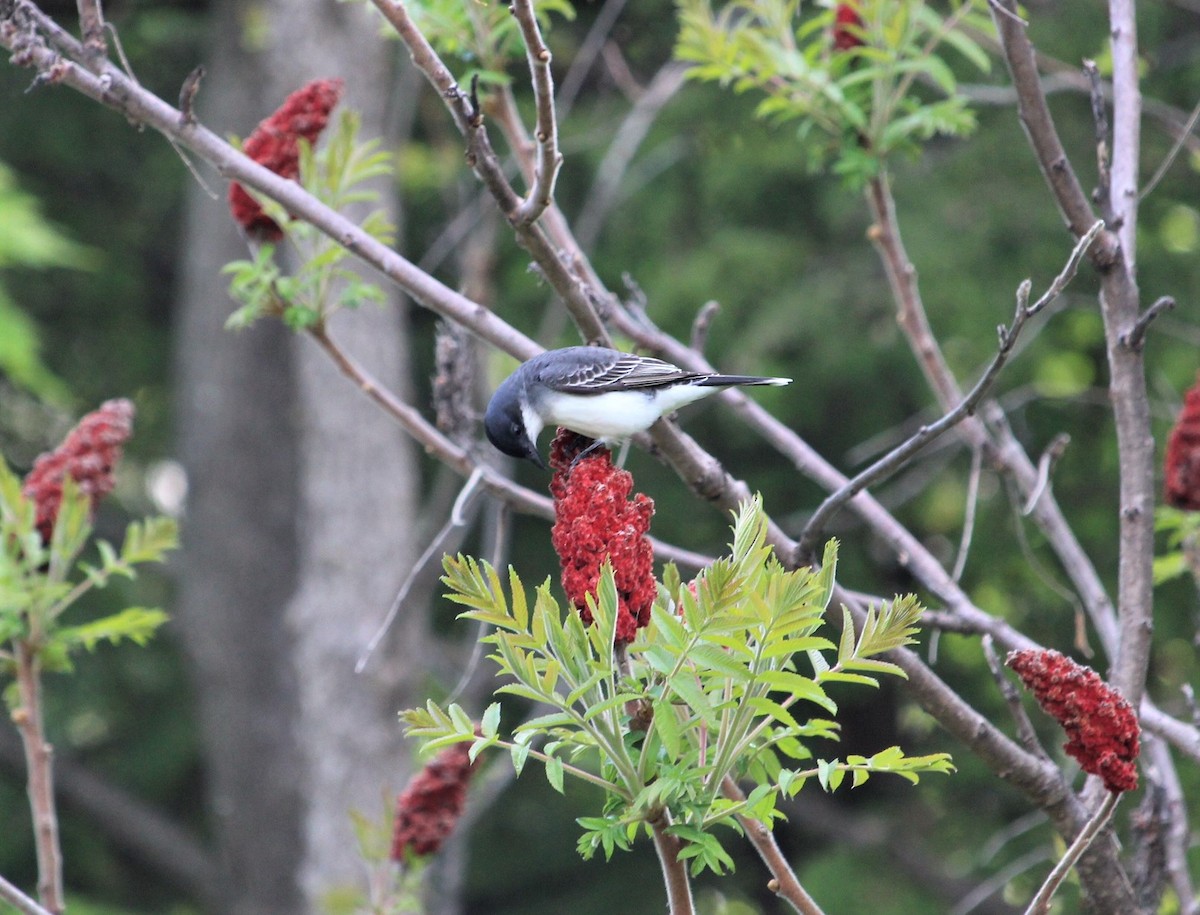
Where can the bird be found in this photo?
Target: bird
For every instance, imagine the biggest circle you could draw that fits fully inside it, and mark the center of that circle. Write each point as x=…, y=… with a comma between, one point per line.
x=601, y=393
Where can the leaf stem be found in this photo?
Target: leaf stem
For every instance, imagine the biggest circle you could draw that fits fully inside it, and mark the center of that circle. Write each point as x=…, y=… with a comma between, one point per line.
x=567, y=767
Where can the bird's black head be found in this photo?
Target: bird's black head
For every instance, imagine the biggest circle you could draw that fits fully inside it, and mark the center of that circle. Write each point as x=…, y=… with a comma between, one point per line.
x=505, y=425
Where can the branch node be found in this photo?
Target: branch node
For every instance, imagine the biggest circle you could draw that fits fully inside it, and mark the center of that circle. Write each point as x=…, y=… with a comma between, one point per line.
x=187, y=96
x=475, y=114
x=704, y=318
x=1135, y=339
x=1045, y=467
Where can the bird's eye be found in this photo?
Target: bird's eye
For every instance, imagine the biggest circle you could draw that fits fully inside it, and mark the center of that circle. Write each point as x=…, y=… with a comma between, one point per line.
x=514, y=428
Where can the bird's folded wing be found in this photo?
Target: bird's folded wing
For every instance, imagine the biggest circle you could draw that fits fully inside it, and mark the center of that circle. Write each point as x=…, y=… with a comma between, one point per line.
x=625, y=372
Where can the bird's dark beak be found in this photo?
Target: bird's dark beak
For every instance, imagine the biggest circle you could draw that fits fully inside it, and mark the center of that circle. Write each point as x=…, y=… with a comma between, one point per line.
x=532, y=453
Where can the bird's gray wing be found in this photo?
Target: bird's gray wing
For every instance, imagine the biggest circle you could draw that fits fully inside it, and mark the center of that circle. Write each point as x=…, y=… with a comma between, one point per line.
x=624, y=371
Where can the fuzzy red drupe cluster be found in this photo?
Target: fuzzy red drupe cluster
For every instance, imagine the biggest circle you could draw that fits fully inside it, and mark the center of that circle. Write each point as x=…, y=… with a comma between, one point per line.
x=847, y=27
x=88, y=455
x=1102, y=729
x=429, y=807
x=275, y=144
x=595, y=519
x=1182, y=484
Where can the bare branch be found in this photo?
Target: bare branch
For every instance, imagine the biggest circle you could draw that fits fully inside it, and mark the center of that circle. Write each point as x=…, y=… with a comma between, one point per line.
x=91, y=26
x=466, y=113
x=898, y=456
x=1035, y=117
x=436, y=546
x=674, y=868
x=968, y=531
x=549, y=159
x=902, y=278
x=1173, y=821
x=1045, y=467
x=1136, y=335
x=1127, y=127
x=1056, y=287
x=784, y=882
x=19, y=900
x=1041, y=902
x=39, y=776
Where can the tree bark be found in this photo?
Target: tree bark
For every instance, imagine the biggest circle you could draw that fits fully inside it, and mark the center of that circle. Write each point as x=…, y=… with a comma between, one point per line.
x=301, y=514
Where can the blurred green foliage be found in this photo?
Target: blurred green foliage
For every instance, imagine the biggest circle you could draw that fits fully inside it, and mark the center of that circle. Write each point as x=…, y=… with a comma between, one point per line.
x=27, y=240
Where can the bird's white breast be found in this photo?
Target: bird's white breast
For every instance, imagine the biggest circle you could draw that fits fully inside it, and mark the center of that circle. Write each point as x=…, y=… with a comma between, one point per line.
x=617, y=415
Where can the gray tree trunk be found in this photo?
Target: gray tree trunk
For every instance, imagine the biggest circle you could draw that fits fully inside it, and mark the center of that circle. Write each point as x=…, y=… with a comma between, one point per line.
x=302, y=511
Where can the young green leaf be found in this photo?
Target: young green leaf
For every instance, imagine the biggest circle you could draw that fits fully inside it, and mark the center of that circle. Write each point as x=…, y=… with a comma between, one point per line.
x=135, y=624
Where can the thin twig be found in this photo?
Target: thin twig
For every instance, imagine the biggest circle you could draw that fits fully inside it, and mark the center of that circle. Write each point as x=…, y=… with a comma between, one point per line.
x=457, y=519
x=19, y=900
x=968, y=530
x=187, y=96
x=1039, y=126
x=500, y=540
x=585, y=56
x=784, y=882
x=1012, y=698
x=1041, y=902
x=549, y=159
x=627, y=140
x=701, y=323
x=897, y=457
x=1173, y=153
x=91, y=27
x=1045, y=468
x=1134, y=339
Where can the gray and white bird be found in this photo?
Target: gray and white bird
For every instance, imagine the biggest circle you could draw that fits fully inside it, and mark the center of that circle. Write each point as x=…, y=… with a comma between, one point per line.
x=602, y=393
